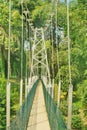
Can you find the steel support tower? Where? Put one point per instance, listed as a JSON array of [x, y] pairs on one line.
[[39, 65]]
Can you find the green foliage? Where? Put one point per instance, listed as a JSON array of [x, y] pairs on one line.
[[82, 94], [14, 101], [4, 14], [75, 109], [40, 16], [84, 101], [76, 122], [2, 104], [63, 107]]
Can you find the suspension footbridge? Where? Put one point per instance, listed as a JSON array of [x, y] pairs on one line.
[[38, 111]]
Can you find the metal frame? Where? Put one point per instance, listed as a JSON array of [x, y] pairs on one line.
[[39, 56]]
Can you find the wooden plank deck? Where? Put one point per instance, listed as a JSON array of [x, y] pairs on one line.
[[38, 119]]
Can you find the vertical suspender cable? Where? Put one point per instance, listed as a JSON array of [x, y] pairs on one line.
[[26, 57], [52, 58], [8, 81], [21, 81], [29, 54], [68, 33], [70, 85], [59, 82], [26, 62], [52, 47]]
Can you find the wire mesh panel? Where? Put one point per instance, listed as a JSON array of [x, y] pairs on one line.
[[54, 115], [21, 119]]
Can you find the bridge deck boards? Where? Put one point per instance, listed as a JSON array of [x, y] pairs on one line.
[[38, 119]]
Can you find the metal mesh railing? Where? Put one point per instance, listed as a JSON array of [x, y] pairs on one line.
[[21, 119], [54, 115]]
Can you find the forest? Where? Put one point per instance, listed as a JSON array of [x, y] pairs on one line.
[[38, 12]]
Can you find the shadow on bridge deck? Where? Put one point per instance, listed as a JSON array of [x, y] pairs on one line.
[[38, 119]]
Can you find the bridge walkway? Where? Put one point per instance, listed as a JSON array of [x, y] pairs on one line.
[[38, 119]]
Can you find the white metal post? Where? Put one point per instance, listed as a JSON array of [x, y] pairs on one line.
[[21, 89], [8, 107], [53, 88], [8, 82], [59, 90], [70, 106]]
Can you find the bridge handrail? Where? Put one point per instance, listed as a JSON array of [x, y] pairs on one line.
[[21, 119], [54, 114]]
